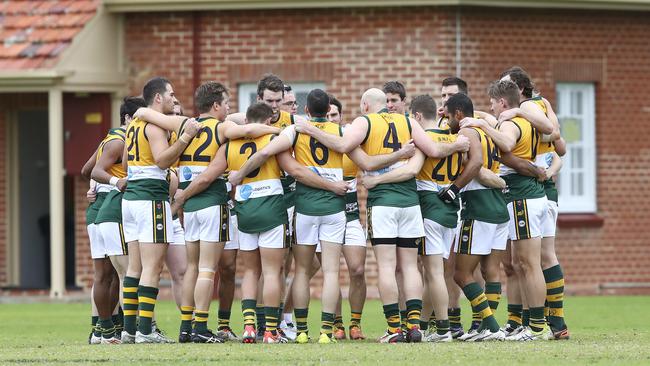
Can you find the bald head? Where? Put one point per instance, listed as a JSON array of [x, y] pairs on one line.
[[373, 100]]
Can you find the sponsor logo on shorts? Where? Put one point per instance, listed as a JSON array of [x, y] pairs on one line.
[[522, 223], [159, 226], [465, 238], [158, 217]]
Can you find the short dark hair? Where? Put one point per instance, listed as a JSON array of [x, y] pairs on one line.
[[318, 103], [129, 106], [258, 112], [505, 89], [336, 102], [271, 82], [424, 104], [157, 85], [520, 77], [462, 85], [395, 87], [207, 94], [460, 102]]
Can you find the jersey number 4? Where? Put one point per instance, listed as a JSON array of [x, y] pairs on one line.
[[390, 140]]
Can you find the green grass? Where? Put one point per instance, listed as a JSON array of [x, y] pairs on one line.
[[604, 330]]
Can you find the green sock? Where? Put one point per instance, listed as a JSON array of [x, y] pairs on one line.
[[432, 319], [248, 311], [187, 312], [555, 297], [130, 294], [327, 323], [259, 314], [223, 319], [537, 319], [442, 326], [108, 328], [271, 319], [525, 317], [480, 305], [454, 318], [301, 319], [413, 310], [424, 325], [514, 315], [493, 294], [146, 304], [96, 330], [392, 315], [201, 321]]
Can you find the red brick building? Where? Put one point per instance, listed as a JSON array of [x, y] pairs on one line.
[[589, 58]]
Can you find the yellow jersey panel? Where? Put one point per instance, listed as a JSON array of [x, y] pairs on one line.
[[285, 120], [238, 151], [114, 134], [311, 153], [350, 169], [490, 151], [442, 171], [203, 147], [386, 132]]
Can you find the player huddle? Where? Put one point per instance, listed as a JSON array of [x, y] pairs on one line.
[[453, 194]]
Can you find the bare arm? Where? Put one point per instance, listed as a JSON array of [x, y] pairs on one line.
[[375, 162], [472, 165], [401, 174], [560, 146], [531, 112], [434, 149], [276, 146], [232, 130], [556, 165], [169, 123], [113, 151], [86, 170], [487, 117], [554, 120], [307, 177], [522, 166], [165, 155], [505, 137], [238, 118], [489, 179], [352, 137]]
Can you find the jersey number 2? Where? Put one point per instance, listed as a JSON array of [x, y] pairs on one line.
[[253, 148]]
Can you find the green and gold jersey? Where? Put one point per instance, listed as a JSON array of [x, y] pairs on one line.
[[116, 170], [350, 171], [544, 154], [480, 202], [146, 181], [93, 207], [520, 186], [258, 199], [386, 134], [435, 175], [288, 182], [328, 164], [195, 159]]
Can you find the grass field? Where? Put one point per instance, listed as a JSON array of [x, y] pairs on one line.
[[604, 330]]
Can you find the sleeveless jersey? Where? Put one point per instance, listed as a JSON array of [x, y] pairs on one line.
[[195, 159], [288, 182], [544, 157], [116, 169], [386, 134], [350, 171], [146, 180], [519, 186], [324, 162], [435, 175], [258, 199], [480, 202]]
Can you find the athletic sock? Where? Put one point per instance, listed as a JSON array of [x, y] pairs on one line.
[[248, 311], [514, 315], [391, 312], [403, 318], [555, 297], [432, 319], [259, 314], [493, 294], [424, 325], [108, 328], [301, 320], [355, 319], [454, 318], [223, 319], [201, 321], [93, 322], [525, 317], [537, 319], [186, 318], [130, 294], [414, 310], [326, 323], [146, 304], [271, 319], [480, 305], [442, 326], [338, 322]]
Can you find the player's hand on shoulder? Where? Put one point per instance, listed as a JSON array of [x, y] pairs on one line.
[[192, 127], [303, 126], [462, 143], [472, 122], [509, 114], [441, 111]]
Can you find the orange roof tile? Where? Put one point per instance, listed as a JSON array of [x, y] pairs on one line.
[[34, 33]]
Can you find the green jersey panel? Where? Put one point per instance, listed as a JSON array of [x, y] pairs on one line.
[[215, 194], [402, 194], [487, 205], [256, 215], [317, 202], [93, 208], [111, 210], [551, 190], [522, 187], [147, 190]]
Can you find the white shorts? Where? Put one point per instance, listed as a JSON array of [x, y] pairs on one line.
[[92, 234], [550, 221], [437, 239], [276, 238], [312, 229], [233, 243], [526, 218], [395, 225], [141, 225], [480, 238], [208, 224], [354, 234], [179, 233], [109, 240]]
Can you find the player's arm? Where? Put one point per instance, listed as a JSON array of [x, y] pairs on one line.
[[215, 169], [554, 168], [471, 167], [87, 169], [169, 123], [505, 137], [238, 118], [307, 177], [353, 135], [163, 154], [113, 151], [232, 130], [375, 162], [435, 149], [401, 174], [487, 117], [560, 146], [125, 158], [278, 144], [554, 120], [522, 166], [489, 179], [532, 113]]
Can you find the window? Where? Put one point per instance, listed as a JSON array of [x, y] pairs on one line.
[[577, 179], [248, 94]]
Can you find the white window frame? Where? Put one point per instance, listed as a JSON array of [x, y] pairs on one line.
[[569, 201], [245, 90]]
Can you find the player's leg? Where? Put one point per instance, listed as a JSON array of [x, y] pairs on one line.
[[227, 268], [273, 245], [330, 264], [303, 254], [189, 283], [95, 332], [554, 276], [513, 293], [250, 258], [103, 277], [354, 252], [453, 312], [176, 260]]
